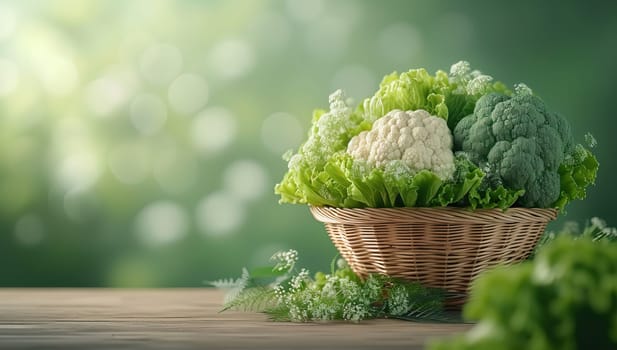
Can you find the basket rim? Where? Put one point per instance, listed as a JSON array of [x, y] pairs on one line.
[[435, 215]]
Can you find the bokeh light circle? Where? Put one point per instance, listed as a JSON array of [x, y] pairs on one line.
[[160, 63], [213, 129], [148, 113], [281, 132], [220, 214], [245, 179], [160, 223], [188, 93]]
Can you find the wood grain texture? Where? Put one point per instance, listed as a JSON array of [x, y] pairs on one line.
[[181, 319]]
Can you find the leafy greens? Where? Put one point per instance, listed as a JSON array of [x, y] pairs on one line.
[[322, 173]]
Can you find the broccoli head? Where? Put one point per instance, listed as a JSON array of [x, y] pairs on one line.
[[520, 142]]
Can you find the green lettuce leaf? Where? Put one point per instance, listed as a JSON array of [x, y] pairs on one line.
[[577, 172], [412, 90], [489, 197], [451, 97], [348, 183], [467, 177]]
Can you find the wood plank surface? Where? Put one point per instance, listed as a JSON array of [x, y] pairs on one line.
[[181, 319]]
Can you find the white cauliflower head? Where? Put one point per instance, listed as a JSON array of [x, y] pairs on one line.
[[418, 139]]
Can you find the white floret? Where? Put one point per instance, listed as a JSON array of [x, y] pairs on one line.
[[336, 121], [416, 138]]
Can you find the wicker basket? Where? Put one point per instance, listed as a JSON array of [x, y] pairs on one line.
[[440, 247]]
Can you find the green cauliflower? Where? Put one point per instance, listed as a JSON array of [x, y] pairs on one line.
[[519, 143]]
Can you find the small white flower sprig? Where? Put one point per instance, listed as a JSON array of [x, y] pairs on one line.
[[340, 295], [285, 260]]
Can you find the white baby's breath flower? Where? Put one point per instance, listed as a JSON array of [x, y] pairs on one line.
[[298, 281], [281, 295], [354, 312], [341, 263], [285, 261], [398, 300], [329, 289], [571, 227], [351, 290], [324, 312], [474, 74], [373, 288], [597, 222]]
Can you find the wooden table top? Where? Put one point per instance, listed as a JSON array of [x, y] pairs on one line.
[[181, 319]]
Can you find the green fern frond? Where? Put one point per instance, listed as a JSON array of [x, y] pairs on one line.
[[224, 283], [230, 283], [233, 287], [256, 299], [278, 313], [434, 317]]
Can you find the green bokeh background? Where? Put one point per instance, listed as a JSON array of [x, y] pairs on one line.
[[140, 140]]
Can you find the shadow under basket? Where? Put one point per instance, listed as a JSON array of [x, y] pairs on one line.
[[440, 247]]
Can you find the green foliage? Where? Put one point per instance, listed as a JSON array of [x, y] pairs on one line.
[[489, 197], [566, 298], [576, 173], [339, 295], [251, 299]]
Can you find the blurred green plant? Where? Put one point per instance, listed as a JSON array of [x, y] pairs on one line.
[[566, 298], [594, 229]]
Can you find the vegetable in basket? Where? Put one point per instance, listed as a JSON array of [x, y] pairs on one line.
[[414, 139], [395, 148], [520, 143]]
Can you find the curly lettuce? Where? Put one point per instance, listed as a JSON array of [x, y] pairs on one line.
[[576, 173], [449, 96], [347, 183]]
